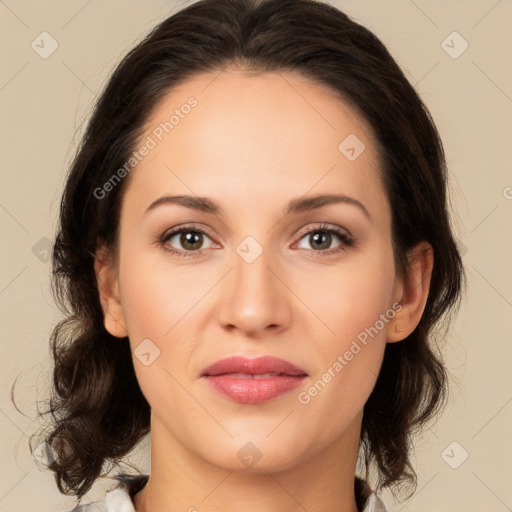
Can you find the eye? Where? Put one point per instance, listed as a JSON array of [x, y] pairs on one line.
[[190, 238], [321, 237]]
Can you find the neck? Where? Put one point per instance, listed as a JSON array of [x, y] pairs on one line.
[[182, 481]]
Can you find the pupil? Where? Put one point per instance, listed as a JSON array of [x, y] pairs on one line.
[[319, 235], [191, 239]]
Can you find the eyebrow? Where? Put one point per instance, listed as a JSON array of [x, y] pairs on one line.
[[301, 204]]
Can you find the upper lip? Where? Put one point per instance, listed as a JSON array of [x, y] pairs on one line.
[[259, 365]]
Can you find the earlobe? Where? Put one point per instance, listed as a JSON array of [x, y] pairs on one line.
[[108, 289], [412, 293]]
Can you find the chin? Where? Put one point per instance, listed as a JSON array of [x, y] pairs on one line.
[[254, 457]]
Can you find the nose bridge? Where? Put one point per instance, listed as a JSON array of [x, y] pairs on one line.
[[252, 263], [253, 298]]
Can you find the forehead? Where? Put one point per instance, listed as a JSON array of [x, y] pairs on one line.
[[259, 103], [255, 135]]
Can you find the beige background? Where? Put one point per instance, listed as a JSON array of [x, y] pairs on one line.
[[43, 104]]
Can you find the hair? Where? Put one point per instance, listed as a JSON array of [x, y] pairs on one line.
[[98, 413]]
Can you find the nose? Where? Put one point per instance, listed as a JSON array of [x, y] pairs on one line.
[[254, 296]]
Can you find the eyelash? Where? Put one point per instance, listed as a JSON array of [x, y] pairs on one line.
[[347, 241]]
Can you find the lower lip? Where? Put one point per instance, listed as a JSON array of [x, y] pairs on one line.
[[254, 391]]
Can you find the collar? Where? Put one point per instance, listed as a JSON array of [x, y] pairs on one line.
[[119, 497]]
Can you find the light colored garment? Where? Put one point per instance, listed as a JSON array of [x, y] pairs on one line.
[[118, 497]]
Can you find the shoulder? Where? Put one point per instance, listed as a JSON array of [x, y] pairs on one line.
[[374, 504], [93, 506], [367, 499], [118, 497]]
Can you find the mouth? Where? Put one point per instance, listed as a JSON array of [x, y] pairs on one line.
[[253, 381], [253, 389], [265, 366], [254, 375]]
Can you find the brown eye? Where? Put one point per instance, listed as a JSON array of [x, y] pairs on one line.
[[321, 239], [191, 240], [185, 240]]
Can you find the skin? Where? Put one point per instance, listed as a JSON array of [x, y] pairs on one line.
[[253, 143]]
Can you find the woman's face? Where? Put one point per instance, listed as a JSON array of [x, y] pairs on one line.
[[264, 279]]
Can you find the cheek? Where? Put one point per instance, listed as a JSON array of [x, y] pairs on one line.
[[351, 336], [155, 295], [155, 305], [350, 297], [337, 301], [160, 302]]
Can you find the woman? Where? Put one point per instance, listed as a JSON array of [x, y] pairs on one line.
[[254, 249]]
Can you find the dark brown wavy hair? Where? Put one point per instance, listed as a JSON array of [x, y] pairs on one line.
[[98, 413]]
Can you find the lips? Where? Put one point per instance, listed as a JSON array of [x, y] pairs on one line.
[[244, 368], [253, 381]]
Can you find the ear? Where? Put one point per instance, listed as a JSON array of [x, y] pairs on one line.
[[108, 288], [412, 292]]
